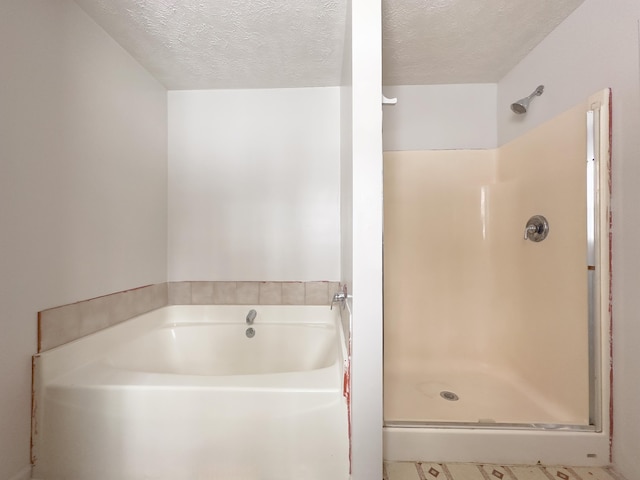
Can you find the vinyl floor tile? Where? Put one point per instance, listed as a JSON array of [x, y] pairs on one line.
[[594, 473], [470, 471], [465, 470], [431, 471], [402, 471], [528, 473]]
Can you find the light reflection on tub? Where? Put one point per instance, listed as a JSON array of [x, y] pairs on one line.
[[225, 349]]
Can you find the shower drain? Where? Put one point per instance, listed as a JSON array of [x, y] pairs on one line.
[[452, 397]]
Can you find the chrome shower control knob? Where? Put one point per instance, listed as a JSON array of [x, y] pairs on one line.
[[536, 229]]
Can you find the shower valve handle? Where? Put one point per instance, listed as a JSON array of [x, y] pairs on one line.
[[537, 229], [531, 229]]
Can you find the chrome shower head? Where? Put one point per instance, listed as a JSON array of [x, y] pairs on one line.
[[522, 105]]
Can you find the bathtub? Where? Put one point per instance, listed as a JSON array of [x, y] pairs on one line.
[[185, 392]]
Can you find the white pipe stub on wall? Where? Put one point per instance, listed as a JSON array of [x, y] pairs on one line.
[[389, 101]]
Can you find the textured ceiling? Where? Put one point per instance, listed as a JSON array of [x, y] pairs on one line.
[[463, 41], [198, 44], [202, 44]]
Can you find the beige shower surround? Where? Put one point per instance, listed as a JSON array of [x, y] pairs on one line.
[[465, 292]]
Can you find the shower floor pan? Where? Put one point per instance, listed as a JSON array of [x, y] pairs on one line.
[[469, 395], [497, 418]]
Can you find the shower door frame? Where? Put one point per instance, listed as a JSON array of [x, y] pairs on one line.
[[599, 259], [598, 266]]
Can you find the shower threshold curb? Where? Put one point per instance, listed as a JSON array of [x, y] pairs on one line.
[[495, 426]]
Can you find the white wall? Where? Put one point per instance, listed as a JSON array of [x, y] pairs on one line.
[[82, 185], [346, 168], [254, 184], [597, 47], [441, 117], [366, 342]]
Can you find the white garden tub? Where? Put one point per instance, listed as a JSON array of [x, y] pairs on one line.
[[183, 393]]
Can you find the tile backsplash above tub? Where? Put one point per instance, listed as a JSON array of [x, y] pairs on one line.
[[251, 293], [59, 325]]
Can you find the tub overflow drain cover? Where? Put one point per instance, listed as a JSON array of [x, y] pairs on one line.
[[449, 396]]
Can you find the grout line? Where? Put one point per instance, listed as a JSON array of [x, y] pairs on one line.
[[446, 471], [420, 471], [484, 473], [546, 472], [512, 475], [573, 472]]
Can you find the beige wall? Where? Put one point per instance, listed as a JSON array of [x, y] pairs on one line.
[[461, 284], [543, 286], [83, 177], [437, 281]]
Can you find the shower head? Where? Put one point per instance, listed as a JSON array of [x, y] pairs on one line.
[[522, 105]]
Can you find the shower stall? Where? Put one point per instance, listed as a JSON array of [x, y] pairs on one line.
[[496, 297]]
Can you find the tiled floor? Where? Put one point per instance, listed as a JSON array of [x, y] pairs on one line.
[[469, 471]]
